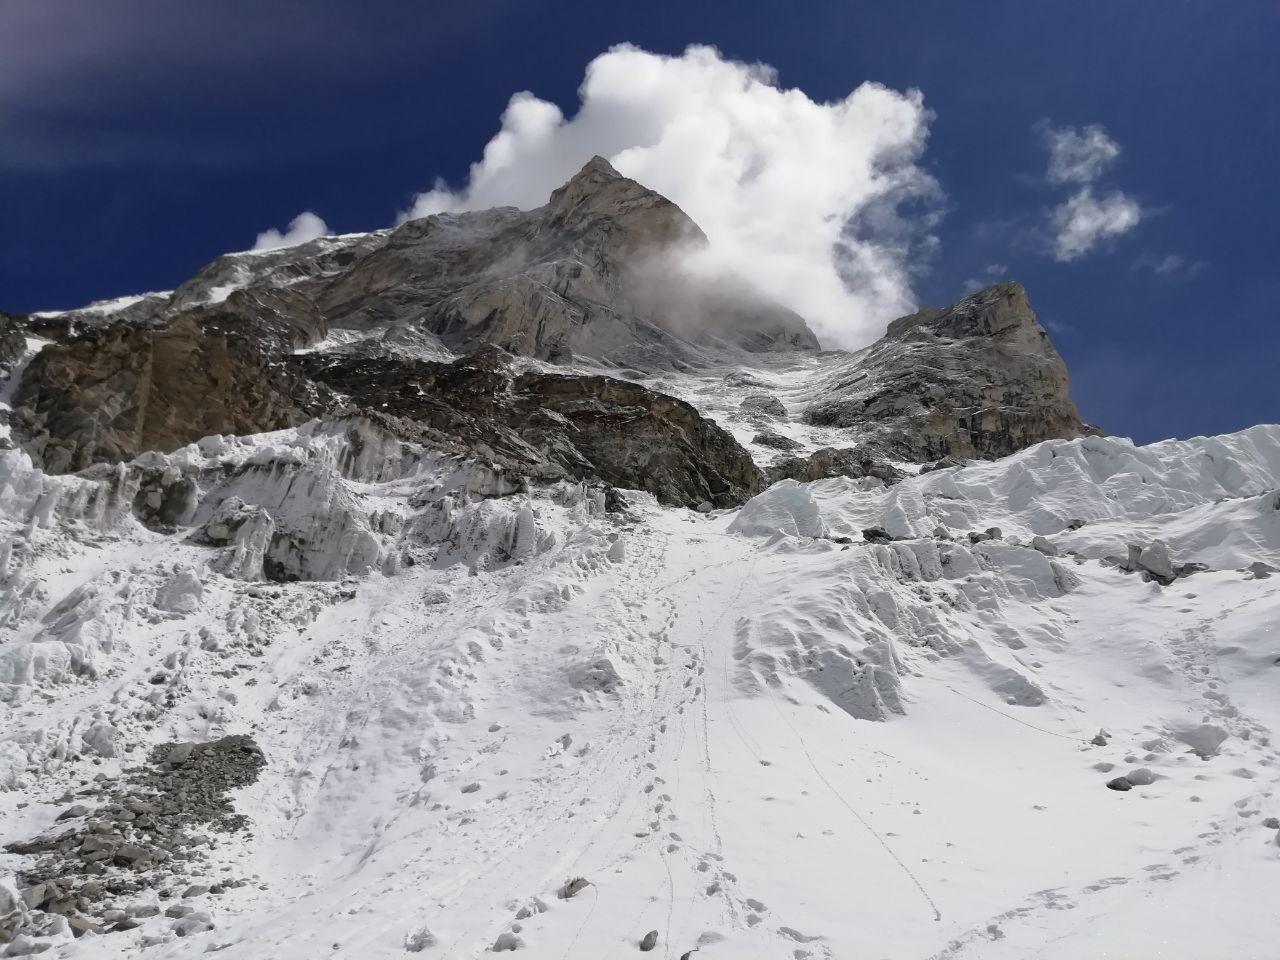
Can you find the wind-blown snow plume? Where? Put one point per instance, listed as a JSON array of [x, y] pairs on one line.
[[800, 196], [302, 228], [1085, 219]]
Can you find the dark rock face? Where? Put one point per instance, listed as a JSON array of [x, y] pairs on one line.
[[829, 462], [108, 395], [13, 344], [548, 426], [978, 379]]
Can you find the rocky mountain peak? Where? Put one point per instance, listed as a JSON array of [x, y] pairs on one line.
[[643, 218], [1001, 311]]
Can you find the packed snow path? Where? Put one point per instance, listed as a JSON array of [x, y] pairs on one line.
[[747, 743]]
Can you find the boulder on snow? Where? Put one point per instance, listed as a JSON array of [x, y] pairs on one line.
[[1119, 783], [573, 887], [1141, 777], [1154, 559], [1259, 570], [649, 941], [763, 404], [1044, 545], [1204, 739], [775, 441]]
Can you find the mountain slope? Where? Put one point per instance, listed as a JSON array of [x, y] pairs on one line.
[[335, 620], [754, 731]]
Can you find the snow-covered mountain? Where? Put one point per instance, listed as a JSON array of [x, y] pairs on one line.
[[338, 620]]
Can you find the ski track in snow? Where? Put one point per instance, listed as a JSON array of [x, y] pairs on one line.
[[757, 745]]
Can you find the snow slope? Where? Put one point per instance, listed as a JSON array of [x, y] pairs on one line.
[[752, 733]]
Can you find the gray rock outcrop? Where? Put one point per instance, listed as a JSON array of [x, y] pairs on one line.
[[978, 379]]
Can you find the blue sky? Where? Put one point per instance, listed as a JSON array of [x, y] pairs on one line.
[[140, 140]]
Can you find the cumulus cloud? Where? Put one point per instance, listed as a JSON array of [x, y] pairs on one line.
[[822, 205], [1080, 156], [302, 228], [1085, 220]]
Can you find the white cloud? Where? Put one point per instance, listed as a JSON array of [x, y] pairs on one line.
[[1078, 155], [1085, 220], [1172, 266], [801, 197], [305, 226]]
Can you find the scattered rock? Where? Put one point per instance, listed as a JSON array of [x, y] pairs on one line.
[[1141, 777], [775, 441], [1044, 545], [1259, 570], [416, 941], [507, 941], [193, 923], [649, 941], [573, 887], [877, 535], [1119, 783], [1155, 560]]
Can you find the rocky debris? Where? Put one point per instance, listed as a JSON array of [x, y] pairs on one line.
[[1153, 562], [139, 837], [1271, 823], [546, 427], [877, 535], [946, 463], [775, 441], [1260, 571], [764, 405], [166, 497], [1100, 739], [978, 379], [855, 462], [991, 533], [415, 941], [649, 941], [507, 941], [1119, 783]]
